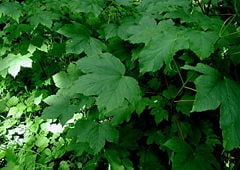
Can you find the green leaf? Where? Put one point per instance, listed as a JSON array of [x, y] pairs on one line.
[[110, 30], [166, 39], [64, 165], [143, 31], [42, 142], [12, 101], [91, 6], [13, 63], [162, 48], [80, 40], [185, 158], [60, 107], [43, 17], [105, 78], [214, 91], [95, 134], [65, 80], [120, 114], [11, 9], [118, 158], [150, 160], [202, 43], [184, 105], [157, 104]]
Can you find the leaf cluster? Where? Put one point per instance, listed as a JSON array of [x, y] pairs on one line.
[[119, 84]]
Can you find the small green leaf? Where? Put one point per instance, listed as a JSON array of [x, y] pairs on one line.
[[13, 63], [12, 101], [42, 142]]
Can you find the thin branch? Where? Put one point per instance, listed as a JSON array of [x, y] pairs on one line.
[[177, 101], [208, 7], [201, 5], [179, 129]]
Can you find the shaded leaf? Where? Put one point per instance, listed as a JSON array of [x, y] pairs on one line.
[[80, 40], [94, 134], [185, 158], [214, 91], [60, 107]]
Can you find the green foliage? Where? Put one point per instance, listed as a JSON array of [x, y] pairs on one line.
[[119, 84], [105, 79]]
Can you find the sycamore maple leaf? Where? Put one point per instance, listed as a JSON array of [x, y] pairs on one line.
[[165, 40], [11, 9], [94, 134], [105, 78], [43, 17], [185, 157], [13, 63], [214, 91], [80, 40], [91, 6]]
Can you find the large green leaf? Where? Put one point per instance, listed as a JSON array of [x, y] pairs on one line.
[[13, 63], [214, 91], [93, 133], [166, 39], [105, 78], [162, 48], [80, 40]]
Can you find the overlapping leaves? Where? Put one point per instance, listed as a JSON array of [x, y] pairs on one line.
[[80, 40], [166, 39], [94, 134]]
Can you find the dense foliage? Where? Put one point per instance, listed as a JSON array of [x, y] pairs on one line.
[[119, 84]]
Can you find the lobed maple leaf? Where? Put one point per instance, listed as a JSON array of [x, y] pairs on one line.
[[105, 78], [13, 63], [94, 134], [214, 91], [80, 40]]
